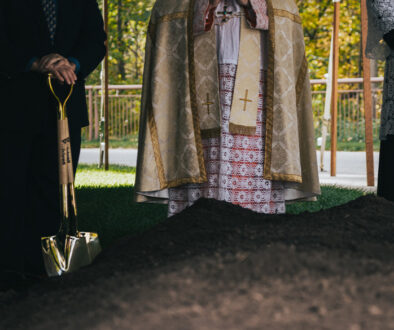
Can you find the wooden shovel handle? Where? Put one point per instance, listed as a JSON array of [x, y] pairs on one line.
[[66, 172]]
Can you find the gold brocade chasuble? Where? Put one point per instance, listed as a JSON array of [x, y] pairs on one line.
[[246, 93], [180, 101]]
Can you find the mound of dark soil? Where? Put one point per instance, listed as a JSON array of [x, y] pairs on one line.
[[217, 266]]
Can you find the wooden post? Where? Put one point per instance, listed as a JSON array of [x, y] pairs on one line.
[[90, 114], [334, 95], [96, 117], [106, 114], [367, 97]]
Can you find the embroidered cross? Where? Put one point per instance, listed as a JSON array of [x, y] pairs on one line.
[[208, 103], [225, 12], [246, 100]]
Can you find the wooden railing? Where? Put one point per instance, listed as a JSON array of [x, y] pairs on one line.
[[124, 109], [125, 103], [351, 123]]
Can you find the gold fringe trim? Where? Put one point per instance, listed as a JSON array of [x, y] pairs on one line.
[[287, 177], [165, 19], [210, 133], [180, 182], [156, 148], [287, 14], [171, 17], [269, 101], [193, 92], [244, 130]]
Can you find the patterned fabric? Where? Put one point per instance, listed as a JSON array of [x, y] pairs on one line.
[[387, 117], [207, 87], [234, 163], [384, 10], [260, 8], [376, 48], [49, 7]]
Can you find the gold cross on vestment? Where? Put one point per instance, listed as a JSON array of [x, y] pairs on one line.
[[208, 104], [225, 12], [246, 99]]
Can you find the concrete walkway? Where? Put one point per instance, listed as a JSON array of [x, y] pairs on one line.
[[351, 170], [126, 157], [351, 166]]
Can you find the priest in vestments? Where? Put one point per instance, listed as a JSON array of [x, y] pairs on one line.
[[226, 108]]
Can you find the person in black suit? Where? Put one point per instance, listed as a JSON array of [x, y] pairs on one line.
[[65, 38]]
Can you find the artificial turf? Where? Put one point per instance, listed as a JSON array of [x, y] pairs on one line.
[[106, 205]]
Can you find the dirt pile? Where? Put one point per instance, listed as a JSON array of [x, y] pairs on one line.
[[217, 266]]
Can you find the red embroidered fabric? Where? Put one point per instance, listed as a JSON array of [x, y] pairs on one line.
[[261, 13], [234, 163], [256, 15]]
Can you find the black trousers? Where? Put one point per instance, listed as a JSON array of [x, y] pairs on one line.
[[29, 188], [386, 169]]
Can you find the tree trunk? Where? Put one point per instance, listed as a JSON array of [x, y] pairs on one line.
[[121, 62], [137, 71]]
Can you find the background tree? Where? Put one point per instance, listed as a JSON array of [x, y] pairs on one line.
[[128, 23]]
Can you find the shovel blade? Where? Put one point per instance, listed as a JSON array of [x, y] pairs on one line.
[[78, 251], [60, 260], [93, 244]]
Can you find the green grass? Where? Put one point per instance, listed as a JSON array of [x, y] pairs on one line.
[[331, 196], [106, 206]]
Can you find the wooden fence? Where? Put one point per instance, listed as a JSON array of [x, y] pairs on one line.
[[125, 103], [124, 111], [351, 122]]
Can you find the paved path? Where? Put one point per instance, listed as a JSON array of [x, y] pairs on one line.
[[116, 156], [351, 170], [351, 166]]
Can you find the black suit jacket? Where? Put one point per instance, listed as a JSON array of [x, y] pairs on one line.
[[24, 34]]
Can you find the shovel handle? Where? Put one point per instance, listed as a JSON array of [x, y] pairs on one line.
[[62, 105]]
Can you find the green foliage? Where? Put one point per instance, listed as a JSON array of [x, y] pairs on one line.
[[128, 23], [106, 206], [317, 16], [330, 197]]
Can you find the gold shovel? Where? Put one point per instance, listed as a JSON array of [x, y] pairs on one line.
[[69, 249]]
